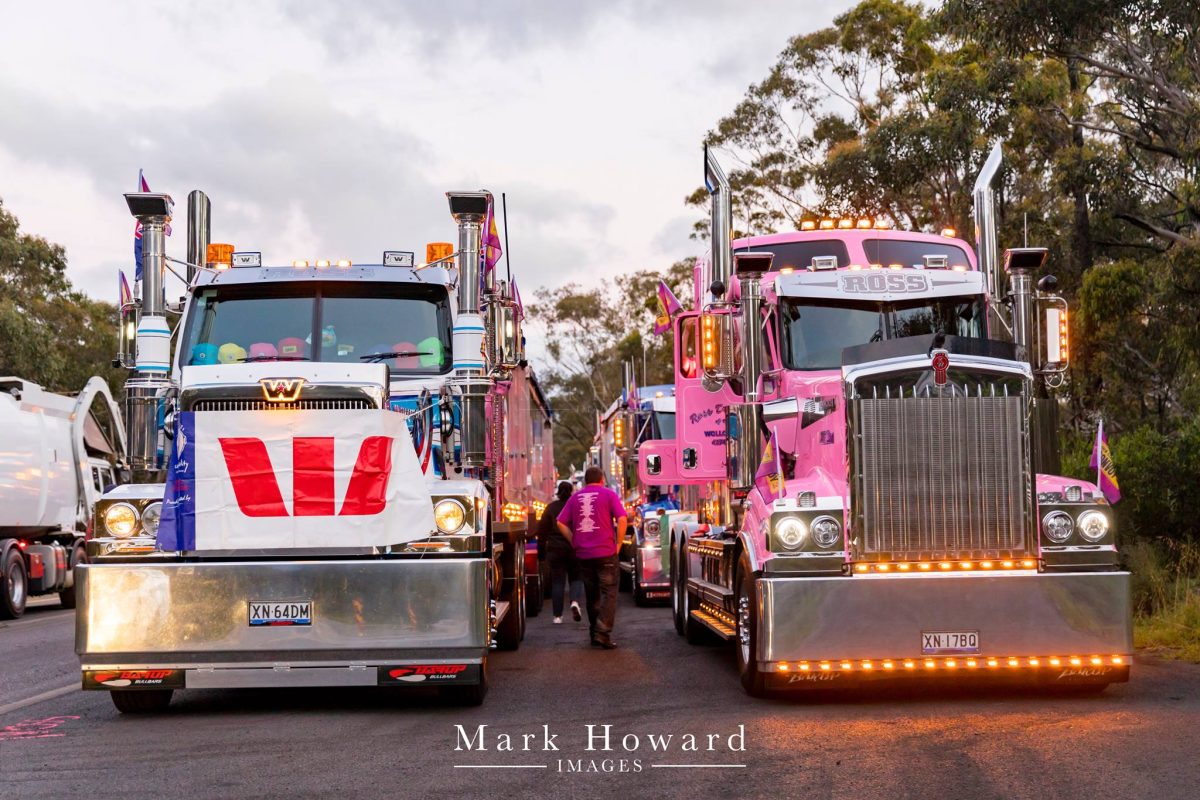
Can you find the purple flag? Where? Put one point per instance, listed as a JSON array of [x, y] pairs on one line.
[[137, 232], [1106, 471], [769, 478], [491, 240], [668, 307]]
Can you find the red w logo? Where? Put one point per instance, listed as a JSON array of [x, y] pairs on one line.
[[257, 489]]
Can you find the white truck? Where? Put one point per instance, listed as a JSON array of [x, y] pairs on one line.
[[57, 455], [322, 451]]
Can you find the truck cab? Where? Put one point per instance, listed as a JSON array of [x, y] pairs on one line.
[[885, 428]]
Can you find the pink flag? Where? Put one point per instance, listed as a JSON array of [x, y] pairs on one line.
[[491, 240], [769, 478], [668, 307], [123, 289], [1106, 471]]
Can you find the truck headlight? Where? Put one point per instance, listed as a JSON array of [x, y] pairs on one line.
[[121, 520], [449, 515], [1093, 525], [790, 532], [150, 517], [1058, 526], [652, 528], [826, 531]]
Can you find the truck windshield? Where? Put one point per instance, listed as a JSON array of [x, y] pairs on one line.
[[664, 422], [404, 326], [813, 335]]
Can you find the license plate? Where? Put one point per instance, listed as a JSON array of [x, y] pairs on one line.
[[275, 613], [935, 642]]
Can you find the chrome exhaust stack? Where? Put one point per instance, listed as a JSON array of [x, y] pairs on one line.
[[986, 247], [720, 225], [199, 232], [144, 390], [469, 210]]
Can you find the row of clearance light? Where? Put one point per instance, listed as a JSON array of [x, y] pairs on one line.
[[911, 664], [945, 566], [538, 509], [513, 512], [861, 223]]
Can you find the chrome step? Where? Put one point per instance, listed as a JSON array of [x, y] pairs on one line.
[[717, 626]]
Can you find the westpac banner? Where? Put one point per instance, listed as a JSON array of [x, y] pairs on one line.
[[294, 479]]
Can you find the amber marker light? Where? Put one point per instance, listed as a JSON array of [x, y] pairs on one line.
[[804, 666], [808, 225], [826, 666], [951, 663], [895, 266], [860, 567], [882, 567], [877, 266], [1033, 662], [1028, 564], [344, 263], [949, 233], [1076, 661], [1007, 564], [888, 665], [845, 223], [945, 565], [826, 224], [991, 662], [966, 565], [1097, 661], [864, 222], [846, 665], [910, 665], [1118, 660], [787, 270], [924, 566], [904, 567], [930, 664], [972, 663], [985, 564], [782, 667], [1012, 662], [868, 665], [1055, 662]]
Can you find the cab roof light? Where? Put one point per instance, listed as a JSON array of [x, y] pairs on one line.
[[300, 264], [826, 224], [864, 222], [845, 223], [323, 263], [219, 256], [882, 224], [808, 224], [343, 263], [949, 233]]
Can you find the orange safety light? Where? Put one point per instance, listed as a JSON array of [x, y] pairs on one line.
[[219, 256], [882, 224], [826, 224], [845, 222], [864, 222], [808, 225], [949, 233], [709, 344], [436, 251]]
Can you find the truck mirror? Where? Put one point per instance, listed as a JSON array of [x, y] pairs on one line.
[[1054, 335]]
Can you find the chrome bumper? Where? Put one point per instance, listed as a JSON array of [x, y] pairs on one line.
[[370, 619], [1030, 625], [652, 572]]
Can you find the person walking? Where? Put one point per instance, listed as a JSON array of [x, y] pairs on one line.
[[564, 566], [594, 521]]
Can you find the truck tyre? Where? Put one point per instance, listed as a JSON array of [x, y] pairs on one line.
[[746, 640], [511, 630], [467, 695], [78, 556], [14, 584], [141, 701], [678, 592]]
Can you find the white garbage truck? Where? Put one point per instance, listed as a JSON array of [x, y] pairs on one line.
[[57, 455]]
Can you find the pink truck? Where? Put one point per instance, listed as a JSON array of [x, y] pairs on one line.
[[906, 521]]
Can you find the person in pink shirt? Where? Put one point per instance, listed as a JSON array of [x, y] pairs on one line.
[[593, 521]]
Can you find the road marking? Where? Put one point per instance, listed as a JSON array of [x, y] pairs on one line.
[[699, 766], [499, 766], [38, 698]]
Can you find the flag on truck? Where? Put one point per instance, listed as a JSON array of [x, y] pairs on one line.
[[668, 307], [123, 289], [491, 240], [1106, 471], [137, 232], [769, 478]]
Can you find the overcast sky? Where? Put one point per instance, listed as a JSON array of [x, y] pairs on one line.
[[324, 129]]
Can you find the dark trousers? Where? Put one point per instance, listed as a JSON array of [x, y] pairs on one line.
[[564, 567], [600, 579]]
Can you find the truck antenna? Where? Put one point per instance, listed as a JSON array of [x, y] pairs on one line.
[[504, 213]]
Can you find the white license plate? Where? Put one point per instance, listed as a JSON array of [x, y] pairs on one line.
[[280, 613], [935, 642]]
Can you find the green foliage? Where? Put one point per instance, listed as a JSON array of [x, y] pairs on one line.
[[589, 334], [49, 333]]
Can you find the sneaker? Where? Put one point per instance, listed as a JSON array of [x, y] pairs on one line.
[[558, 620], [575, 612]]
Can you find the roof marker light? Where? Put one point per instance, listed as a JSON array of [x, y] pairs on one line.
[[300, 264], [845, 223], [826, 224], [949, 233], [323, 263], [808, 225], [343, 263]]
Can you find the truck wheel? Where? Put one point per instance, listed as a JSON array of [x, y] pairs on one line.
[[78, 556], [512, 628], [14, 584], [753, 679], [535, 597], [141, 701], [467, 695], [678, 592]]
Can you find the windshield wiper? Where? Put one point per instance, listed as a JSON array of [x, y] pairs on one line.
[[249, 359], [394, 354]]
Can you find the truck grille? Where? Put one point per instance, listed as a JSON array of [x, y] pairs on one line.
[[941, 476], [342, 404]]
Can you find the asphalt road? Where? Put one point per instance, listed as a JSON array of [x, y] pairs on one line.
[[1136, 740]]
